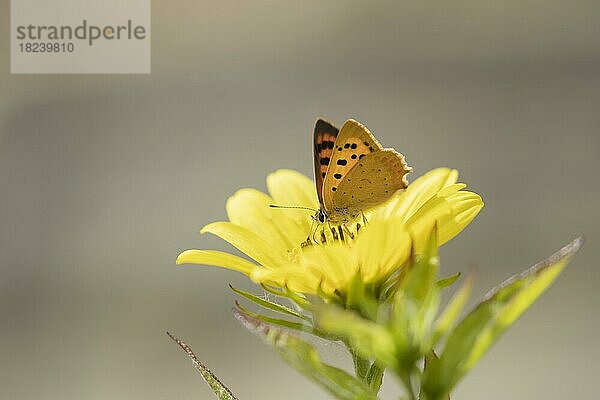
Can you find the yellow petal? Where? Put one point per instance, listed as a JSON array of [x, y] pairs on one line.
[[451, 214], [420, 191], [332, 264], [381, 248], [291, 188], [290, 277], [248, 243], [465, 206], [451, 189], [250, 209], [218, 259], [326, 268]]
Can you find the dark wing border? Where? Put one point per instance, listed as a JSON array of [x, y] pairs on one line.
[[323, 144]]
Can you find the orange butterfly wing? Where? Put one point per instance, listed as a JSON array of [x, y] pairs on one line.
[[373, 180], [323, 140], [352, 144]]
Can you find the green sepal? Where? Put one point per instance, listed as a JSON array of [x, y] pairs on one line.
[[482, 327], [375, 376], [219, 389], [360, 297], [331, 298], [446, 320], [415, 306], [300, 300], [394, 282], [367, 338], [273, 290], [297, 326], [305, 358], [419, 280], [361, 364], [269, 304], [448, 281]]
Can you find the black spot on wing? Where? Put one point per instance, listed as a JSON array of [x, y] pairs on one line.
[[324, 161], [341, 162], [337, 176]]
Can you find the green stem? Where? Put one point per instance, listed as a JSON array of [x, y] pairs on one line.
[[407, 381]]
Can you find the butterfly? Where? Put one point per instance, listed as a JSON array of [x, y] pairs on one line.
[[353, 172]]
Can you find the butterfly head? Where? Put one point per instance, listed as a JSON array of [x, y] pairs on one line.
[[320, 215]]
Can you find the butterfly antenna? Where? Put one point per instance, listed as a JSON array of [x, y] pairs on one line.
[[296, 207]]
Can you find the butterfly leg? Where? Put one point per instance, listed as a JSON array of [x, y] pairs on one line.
[[314, 235], [308, 241], [364, 218], [334, 232], [348, 231], [341, 233], [323, 236]]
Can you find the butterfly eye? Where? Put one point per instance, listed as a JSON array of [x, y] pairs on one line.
[[321, 216]]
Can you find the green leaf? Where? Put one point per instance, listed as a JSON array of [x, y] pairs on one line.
[[489, 320], [305, 358], [269, 304], [297, 326], [452, 310], [448, 281], [219, 389]]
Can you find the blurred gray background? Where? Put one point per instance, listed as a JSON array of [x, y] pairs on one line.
[[106, 178]]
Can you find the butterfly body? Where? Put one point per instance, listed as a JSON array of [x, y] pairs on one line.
[[353, 172]]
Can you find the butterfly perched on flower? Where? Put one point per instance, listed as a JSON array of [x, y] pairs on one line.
[[353, 172]]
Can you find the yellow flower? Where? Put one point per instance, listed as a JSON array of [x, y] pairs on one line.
[[272, 238]]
